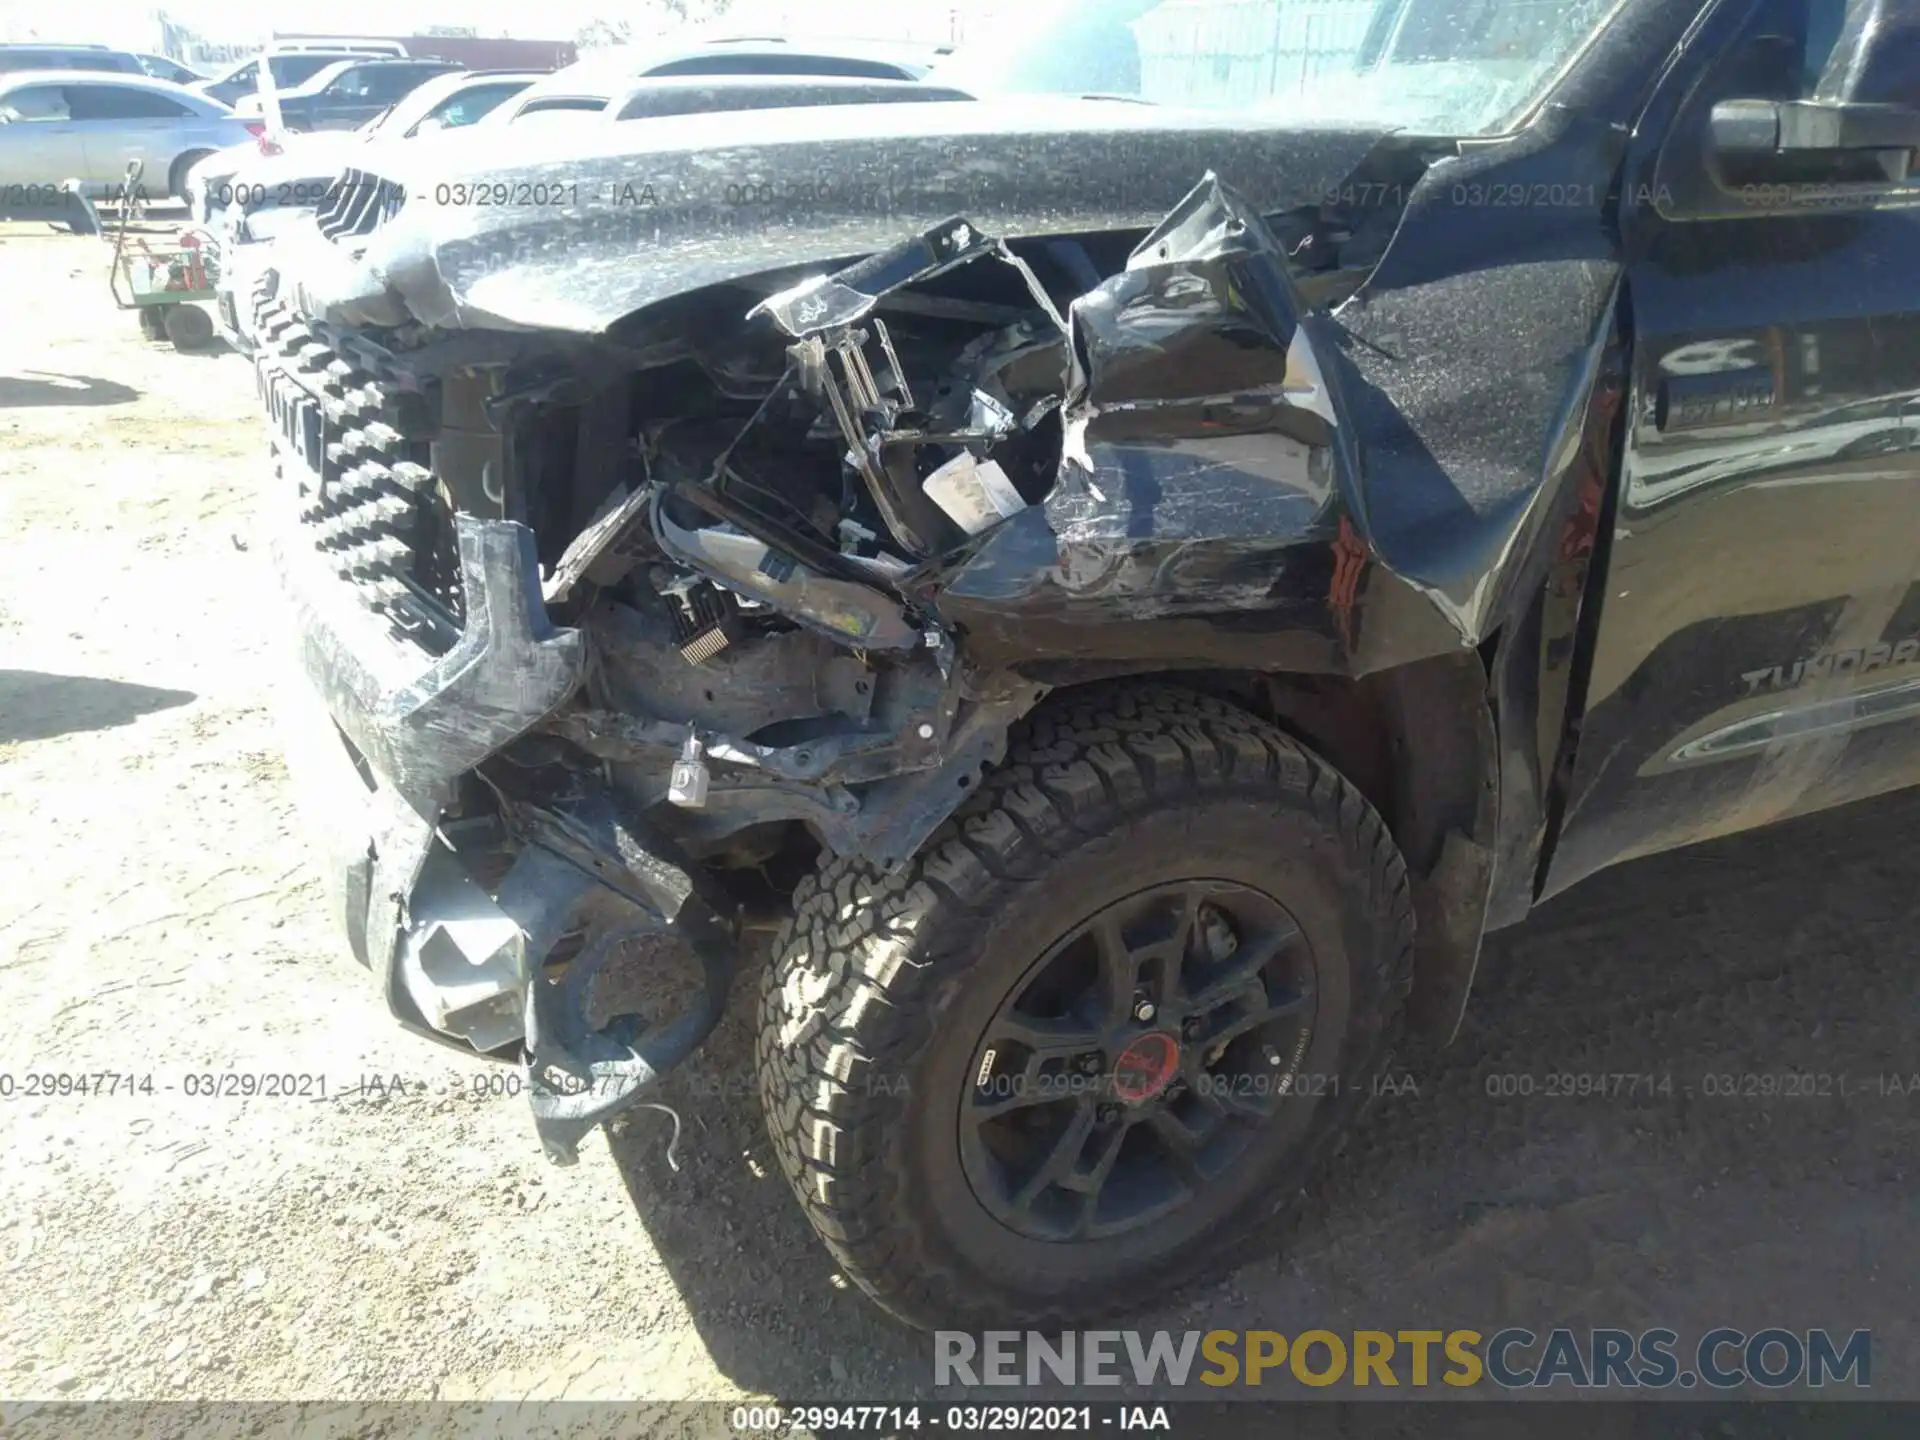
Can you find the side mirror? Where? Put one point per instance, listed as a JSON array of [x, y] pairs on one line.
[[1859, 125]]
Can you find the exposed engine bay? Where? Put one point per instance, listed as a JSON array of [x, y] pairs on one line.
[[754, 587], [760, 582]]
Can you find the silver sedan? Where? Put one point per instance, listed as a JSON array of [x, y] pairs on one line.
[[57, 125]]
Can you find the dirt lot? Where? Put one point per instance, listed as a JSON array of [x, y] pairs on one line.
[[157, 919]]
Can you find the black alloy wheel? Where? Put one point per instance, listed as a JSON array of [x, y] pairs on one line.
[[1135, 1062]]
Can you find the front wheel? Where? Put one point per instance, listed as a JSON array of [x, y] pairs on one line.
[[1066, 1059]]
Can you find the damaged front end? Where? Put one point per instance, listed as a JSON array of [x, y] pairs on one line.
[[616, 633]]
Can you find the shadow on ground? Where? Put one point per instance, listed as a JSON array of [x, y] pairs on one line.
[[212, 350], [783, 1322], [37, 706], [1695, 1187], [26, 389]]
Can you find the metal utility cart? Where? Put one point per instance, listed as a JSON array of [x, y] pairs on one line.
[[160, 282]]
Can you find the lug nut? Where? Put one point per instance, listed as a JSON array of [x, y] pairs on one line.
[[1089, 1064], [1190, 1027], [1144, 1010]]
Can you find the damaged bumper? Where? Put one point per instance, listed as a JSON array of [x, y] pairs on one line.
[[380, 729], [380, 744]]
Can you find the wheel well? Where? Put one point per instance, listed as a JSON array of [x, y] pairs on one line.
[[1405, 738], [177, 175], [1419, 743]]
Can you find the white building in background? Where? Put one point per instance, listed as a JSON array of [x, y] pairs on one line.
[[1228, 52]]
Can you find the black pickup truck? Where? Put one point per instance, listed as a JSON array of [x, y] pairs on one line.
[[1129, 576]]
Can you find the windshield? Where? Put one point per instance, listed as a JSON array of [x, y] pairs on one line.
[[1439, 67]]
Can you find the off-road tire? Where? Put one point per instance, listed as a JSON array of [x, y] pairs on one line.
[[875, 973]]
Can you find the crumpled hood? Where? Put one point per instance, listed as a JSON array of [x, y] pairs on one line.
[[574, 227]]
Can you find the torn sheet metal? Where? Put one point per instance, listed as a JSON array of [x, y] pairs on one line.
[[823, 303], [1249, 481], [846, 297], [1206, 477]]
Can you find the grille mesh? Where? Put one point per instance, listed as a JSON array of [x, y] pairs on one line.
[[365, 497]]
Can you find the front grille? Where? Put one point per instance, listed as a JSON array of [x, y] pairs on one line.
[[363, 489], [357, 204]]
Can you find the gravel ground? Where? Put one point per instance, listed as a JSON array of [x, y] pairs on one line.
[[407, 1242]]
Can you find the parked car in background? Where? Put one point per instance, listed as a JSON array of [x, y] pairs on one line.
[[659, 99], [349, 93], [290, 69], [69, 57], [162, 67], [258, 176], [590, 83], [60, 124], [476, 52], [448, 102]]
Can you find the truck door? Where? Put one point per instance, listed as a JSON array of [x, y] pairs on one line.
[[1758, 649]]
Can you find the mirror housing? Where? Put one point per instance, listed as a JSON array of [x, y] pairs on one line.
[[1859, 119], [1876, 60]]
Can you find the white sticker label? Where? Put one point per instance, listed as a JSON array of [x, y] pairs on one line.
[[976, 493], [986, 1069]]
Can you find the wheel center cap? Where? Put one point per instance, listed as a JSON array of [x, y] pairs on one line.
[[1145, 1067]]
